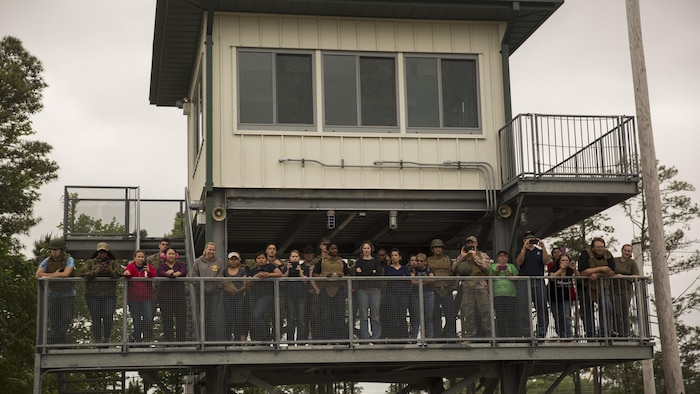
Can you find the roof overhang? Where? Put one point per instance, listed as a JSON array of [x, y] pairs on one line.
[[178, 26]]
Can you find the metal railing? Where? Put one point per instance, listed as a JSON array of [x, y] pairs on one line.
[[536, 146], [118, 212], [412, 311]]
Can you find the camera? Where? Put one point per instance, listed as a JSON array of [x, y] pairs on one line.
[[534, 241], [468, 248]]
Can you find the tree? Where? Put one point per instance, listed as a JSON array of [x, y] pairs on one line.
[[678, 212], [24, 166], [577, 237]]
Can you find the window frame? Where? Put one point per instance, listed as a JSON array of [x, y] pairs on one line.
[[442, 129], [275, 125], [359, 127]]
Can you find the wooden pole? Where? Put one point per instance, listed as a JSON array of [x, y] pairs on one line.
[[673, 375], [647, 365]]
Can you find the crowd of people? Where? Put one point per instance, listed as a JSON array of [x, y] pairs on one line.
[[422, 297]]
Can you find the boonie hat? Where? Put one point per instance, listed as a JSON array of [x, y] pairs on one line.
[[103, 246], [472, 238]]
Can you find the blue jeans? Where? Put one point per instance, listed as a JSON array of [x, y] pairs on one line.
[[538, 292], [604, 312], [260, 326], [142, 315], [369, 301], [561, 310], [428, 304], [102, 316], [60, 317]]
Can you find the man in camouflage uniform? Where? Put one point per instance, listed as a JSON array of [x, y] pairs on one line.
[[475, 305], [445, 304]]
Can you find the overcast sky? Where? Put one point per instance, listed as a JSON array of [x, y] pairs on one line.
[[97, 59]]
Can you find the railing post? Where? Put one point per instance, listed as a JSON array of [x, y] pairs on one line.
[[351, 315]]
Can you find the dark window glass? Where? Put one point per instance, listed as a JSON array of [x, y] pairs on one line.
[[422, 92], [340, 90], [294, 89], [459, 96], [378, 91], [255, 87]]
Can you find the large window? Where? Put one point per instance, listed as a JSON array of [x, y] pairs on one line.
[[441, 93], [359, 90], [275, 88]]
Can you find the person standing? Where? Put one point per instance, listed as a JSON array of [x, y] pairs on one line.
[[333, 293], [209, 266], [445, 303], [561, 294], [368, 292], [262, 297], [596, 263], [505, 294], [156, 258], [101, 296], [475, 305], [140, 296], [171, 296], [397, 296], [422, 269], [294, 297], [314, 315], [61, 300], [531, 261], [234, 299], [623, 290]]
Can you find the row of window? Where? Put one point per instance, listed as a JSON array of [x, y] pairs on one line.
[[277, 88]]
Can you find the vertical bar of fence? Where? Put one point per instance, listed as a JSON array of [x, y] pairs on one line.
[[350, 314], [421, 312], [125, 316], [277, 325], [492, 311]]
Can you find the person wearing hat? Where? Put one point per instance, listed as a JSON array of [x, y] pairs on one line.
[[234, 299], [532, 261], [101, 295], [445, 304], [475, 304], [61, 299], [505, 294]]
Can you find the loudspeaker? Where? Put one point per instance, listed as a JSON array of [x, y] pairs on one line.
[[219, 214], [504, 211]]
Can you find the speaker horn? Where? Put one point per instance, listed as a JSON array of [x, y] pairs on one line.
[[219, 214], [505, 211]]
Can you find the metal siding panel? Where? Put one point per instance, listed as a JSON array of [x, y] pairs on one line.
[[270, 32], [367, 35], [348, 35], [329, 34], [291, 176], [461, 38], [386, 36], [442, 39], [249, 31], [250, 158], [290, 32], [423, 36], [309, 33], [230, 26], [404, 35], [312, 148]]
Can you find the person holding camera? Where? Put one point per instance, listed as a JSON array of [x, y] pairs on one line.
[[475, 305], [531, 261], [101, 296], [505, 296], [562, 293]]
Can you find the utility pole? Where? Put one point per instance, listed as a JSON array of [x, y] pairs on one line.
[[647, 365], [671, 362]]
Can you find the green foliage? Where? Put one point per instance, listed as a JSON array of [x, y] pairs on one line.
[[17, 324], [578, 237], [24, 166], [677, 210], [179, 224]]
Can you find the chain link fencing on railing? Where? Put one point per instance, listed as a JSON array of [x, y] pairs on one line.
[[411, 311]]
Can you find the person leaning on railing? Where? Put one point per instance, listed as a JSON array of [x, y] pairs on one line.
[[596, 263], [505, 293], [61, 297], [562, 293], [333, 293], [171, 296]]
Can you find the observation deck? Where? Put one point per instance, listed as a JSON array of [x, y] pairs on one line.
[[221, 362]]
